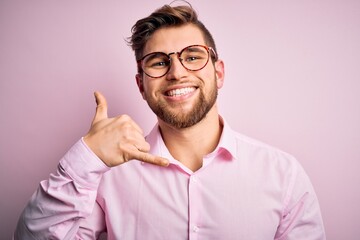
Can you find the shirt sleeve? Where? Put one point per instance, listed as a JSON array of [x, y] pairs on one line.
[[92, 226], [57, 208], [301, 217]]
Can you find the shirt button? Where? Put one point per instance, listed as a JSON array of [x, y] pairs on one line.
[[193, 179], [195, 229]]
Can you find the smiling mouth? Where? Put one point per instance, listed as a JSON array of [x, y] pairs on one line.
[[180, 91]]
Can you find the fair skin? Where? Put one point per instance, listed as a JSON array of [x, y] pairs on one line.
[[118, 140]]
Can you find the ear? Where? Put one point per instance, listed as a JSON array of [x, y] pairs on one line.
[[220, 73], [140, 84]]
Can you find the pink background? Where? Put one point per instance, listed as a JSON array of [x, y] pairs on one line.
[[292, 80]]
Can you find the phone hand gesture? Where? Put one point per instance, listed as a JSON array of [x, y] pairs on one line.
[[118, 140]]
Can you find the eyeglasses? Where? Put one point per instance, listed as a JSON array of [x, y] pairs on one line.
[[193, 58]]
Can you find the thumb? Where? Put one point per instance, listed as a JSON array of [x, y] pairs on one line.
[[101, 108]]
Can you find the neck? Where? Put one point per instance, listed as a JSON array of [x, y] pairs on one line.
[[190, 145]]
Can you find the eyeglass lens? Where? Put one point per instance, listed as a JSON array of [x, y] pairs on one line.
[[193, 58]]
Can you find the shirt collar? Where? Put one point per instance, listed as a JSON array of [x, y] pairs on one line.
[[227, 142]]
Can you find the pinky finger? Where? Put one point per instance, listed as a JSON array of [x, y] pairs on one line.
[[149, 158]]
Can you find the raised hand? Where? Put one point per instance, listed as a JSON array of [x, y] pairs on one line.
[[118, 140]]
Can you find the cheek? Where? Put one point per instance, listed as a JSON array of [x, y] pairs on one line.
[[151, 89], [212, 81]]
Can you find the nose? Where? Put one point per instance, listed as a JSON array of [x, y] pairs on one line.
[[177, 70]]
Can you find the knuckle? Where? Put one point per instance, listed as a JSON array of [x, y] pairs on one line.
[[127, 125], [123, 122], [125, 117], [146, 146], [121, 148], [124, 156]]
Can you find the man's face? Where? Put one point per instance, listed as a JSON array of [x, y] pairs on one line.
[[180, 98]]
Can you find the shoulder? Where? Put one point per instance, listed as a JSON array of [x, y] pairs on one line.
[[253, 152]]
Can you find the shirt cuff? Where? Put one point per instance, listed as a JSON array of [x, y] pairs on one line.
[[83, 166]]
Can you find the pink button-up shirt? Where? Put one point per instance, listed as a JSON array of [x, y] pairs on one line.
[[244, 190]]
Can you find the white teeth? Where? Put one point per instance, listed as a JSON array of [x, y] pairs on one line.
[[180, 91]]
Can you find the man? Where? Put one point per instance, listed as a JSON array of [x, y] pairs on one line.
[[198, 180]]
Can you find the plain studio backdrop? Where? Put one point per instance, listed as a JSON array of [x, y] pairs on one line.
[[292, 81]]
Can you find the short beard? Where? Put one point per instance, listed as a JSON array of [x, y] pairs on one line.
[[180, 120]]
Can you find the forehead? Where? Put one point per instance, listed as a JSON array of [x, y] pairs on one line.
[[174, 38]]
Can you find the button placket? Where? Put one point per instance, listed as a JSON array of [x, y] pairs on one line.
[[194, 207]]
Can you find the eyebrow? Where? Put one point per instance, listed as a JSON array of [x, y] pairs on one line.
[[190, 48], [195, 49], [153, 55]]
